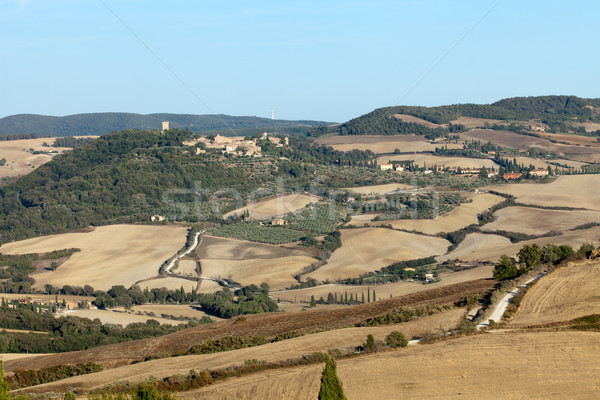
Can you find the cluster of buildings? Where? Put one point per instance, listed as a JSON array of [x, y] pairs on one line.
[[236, 145], [466, 171]]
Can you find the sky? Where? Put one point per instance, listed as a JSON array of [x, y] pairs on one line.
[[318, 60]]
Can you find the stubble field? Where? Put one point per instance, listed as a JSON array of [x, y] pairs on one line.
[[110, 255]]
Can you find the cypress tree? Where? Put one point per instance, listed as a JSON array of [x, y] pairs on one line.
[[362, 298], [331, 385], [374, 298], [368, 294]]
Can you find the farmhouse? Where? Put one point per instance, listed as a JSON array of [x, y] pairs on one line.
[[491, 174], [386, 167], [278, 221], [399, 168], [539, 172], [158, 218], [512, 175]]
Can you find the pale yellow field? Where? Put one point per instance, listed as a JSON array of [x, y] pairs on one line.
[[542, 365], [471, 123], [110, 255], [282, 350], [275, 207], [170, 283], [20, 161], [430, 160], [543, 164], [369, 249], [249, 262], [382, 291], [118, 318], [382, 144], [18, 356], [486, 247], [208, 286], [567, 293], [578, 191], [278, 273], [535, 221], [186, 267], [379, 189], [176, 310], [461, 216], [416, 120]]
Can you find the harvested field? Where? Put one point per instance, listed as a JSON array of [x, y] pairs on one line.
[[383, 291], [276, 207], [236, 249], [17, 356], [577, 191], [430, 160], [117, 317], [487, 247], [524, 142], [471, 123], [272, 352], [379, 189], [542, 365], [186, 267], [20, 160], [535, 221], [572, 139], [543, 164], [369, 249], [249, 262], [382, 144], [278, 273], [416, 120], [208, 286], [567, 293], [170, 283], [175, 310], [110, 255], [460, 217], [268, 325]]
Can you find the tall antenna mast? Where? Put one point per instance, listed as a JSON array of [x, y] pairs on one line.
[[272, 113]]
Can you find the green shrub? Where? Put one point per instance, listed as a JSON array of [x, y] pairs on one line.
[[396, 339]]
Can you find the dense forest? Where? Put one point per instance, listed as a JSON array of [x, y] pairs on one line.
[[101, 123], [553, 110]]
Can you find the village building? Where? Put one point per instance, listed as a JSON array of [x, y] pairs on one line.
[[278, 221], [491, 174], [539, 172], [512, 175], [470, 171], [386, 167], [399, 168]]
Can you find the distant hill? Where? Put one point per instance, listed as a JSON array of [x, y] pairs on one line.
[[101, 123], [558, 112]]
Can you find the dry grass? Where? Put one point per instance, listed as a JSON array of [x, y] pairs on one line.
[[471, 123], [117, 317], [540, 365], [415, 120], [486, 247], [175, 310], [431, 160], [110, 255], [18, 356], [249, 262], [461, 216], [275, 207], [278, 273], [567, 293], [283, 350], [578, 191], [170, 283], [383, 291], [267, 325], [368, 249], [379, 189], [524, 142], [534, 221], [186, 267], [573, 139], [20, 161], [382, 144]]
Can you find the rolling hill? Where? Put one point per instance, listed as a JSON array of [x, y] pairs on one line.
[[101, 123]]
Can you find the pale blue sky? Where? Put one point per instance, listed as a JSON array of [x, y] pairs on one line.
[[307, 59]]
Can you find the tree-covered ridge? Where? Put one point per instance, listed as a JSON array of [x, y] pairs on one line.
[[550, 109], [102, 123]]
